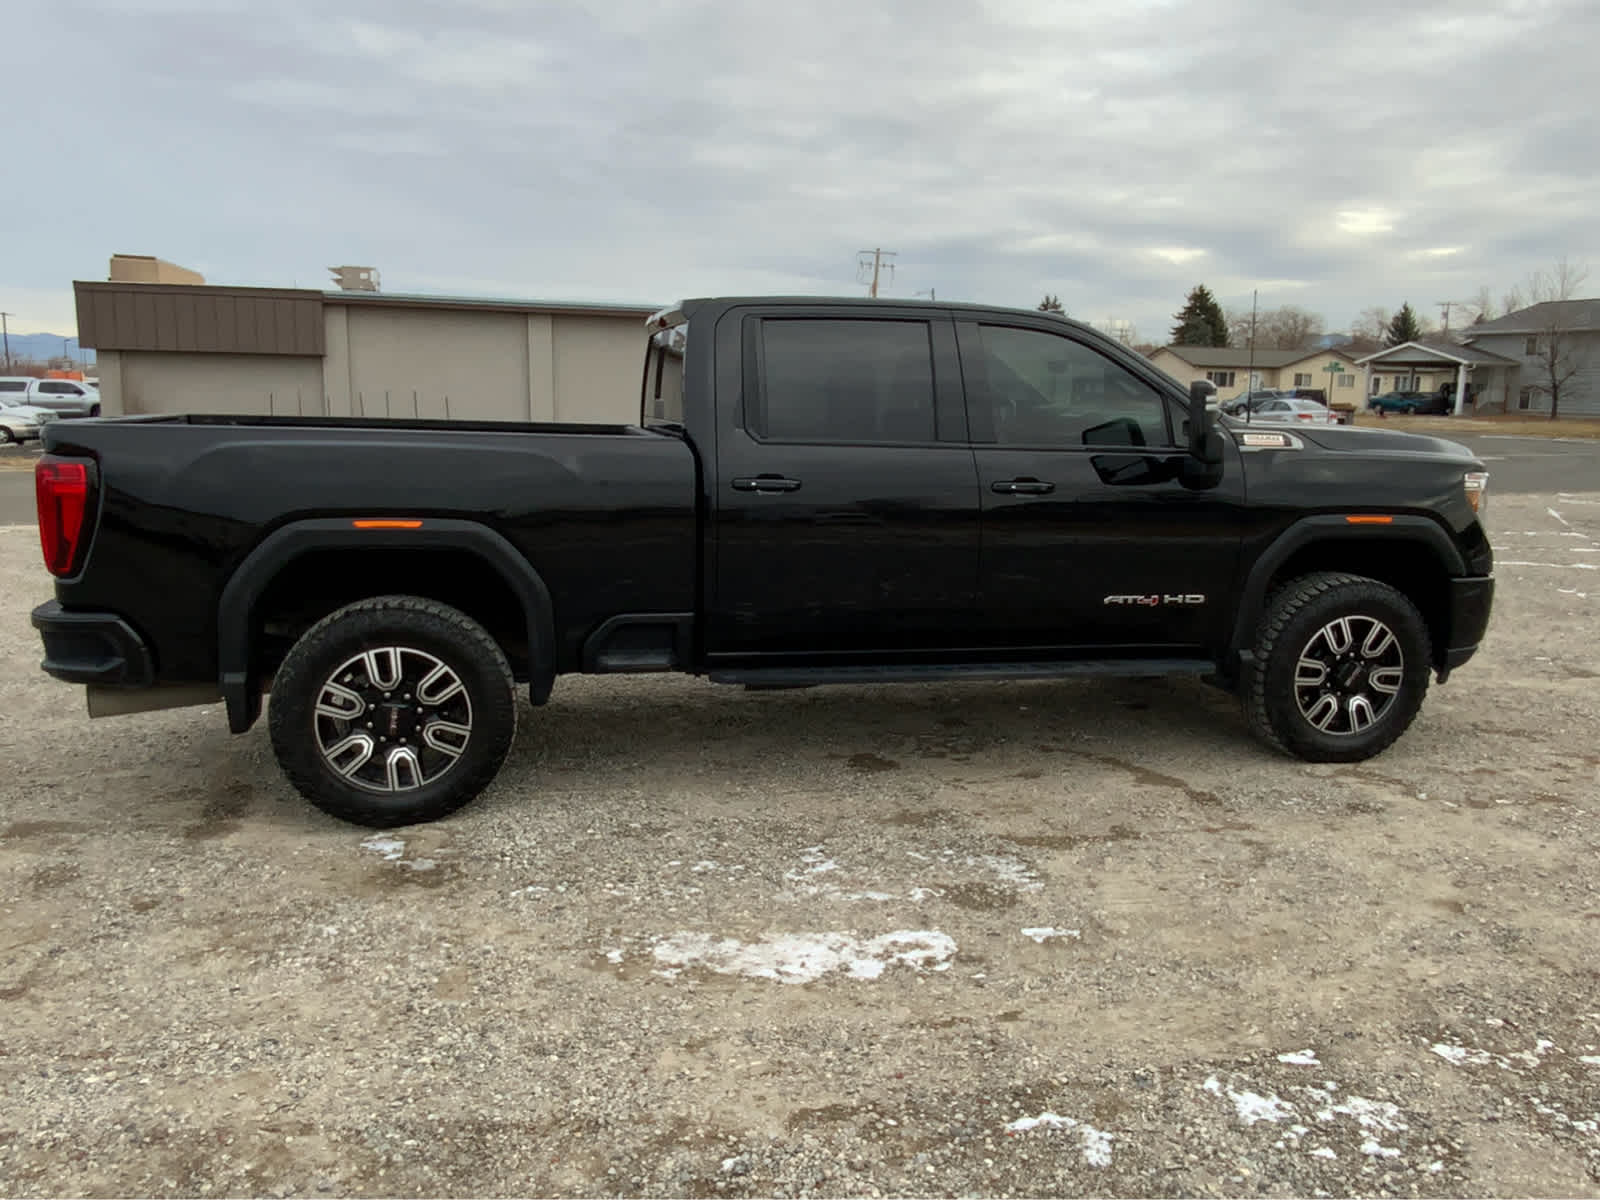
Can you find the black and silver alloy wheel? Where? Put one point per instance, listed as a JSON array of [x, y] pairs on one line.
[[393, 719], [1339, 668], [1348, 675], [393, 710]]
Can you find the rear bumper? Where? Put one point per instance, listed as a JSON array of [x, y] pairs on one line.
[[92, 647], [1470, 601]]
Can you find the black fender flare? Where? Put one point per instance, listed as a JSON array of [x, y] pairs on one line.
[[241, 691], [1426, 534]]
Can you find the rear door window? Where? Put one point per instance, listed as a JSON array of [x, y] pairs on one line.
[[850, 381]]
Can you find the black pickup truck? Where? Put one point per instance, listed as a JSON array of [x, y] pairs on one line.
[[817, 491]]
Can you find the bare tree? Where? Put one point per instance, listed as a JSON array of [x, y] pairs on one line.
[[1287, 328], [1560, 355], [1371, 325], [1512, 301], [1481, 306]]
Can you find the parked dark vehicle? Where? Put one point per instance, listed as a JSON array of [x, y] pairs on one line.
[[1408, 402], [817, 492]]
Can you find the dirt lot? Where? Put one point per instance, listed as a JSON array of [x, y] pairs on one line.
[[1501, 424], [1061, 938]]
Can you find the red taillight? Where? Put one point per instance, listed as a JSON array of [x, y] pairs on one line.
[[63, 491]]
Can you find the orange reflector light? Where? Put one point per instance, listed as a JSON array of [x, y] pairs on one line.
[[408, 524], [1370, 520]]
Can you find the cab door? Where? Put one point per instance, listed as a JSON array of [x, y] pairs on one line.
[[845, 514], [1091, 541]]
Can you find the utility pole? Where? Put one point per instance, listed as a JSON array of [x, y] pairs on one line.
[[878, 265], [1445, 306], [5, 330]]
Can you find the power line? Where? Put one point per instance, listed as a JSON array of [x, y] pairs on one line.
[[875, 259]]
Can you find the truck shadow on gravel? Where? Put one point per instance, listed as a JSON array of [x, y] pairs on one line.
[[870, 730]]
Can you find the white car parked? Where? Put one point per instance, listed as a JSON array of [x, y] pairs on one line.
[[18, 422], [1291, 410]]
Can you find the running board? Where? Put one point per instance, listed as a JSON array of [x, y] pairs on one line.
[[791, 677]]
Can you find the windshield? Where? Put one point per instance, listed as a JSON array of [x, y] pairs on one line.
[[663, 376]]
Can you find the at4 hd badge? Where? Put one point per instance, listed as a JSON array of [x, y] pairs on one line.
[[1156, 600]]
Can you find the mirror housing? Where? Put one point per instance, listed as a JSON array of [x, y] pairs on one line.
[[1202, 423], [1206, 450]]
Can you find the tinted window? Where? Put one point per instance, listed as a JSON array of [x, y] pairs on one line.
[[13, 385], [1047, 390], [51, 388], [845, 381]]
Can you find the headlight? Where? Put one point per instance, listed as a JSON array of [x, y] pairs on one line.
[[1477, 485]]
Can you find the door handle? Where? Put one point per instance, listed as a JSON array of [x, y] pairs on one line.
[[1027, 486], [765, 483]]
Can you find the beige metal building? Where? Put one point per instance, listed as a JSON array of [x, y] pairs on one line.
[[147, 268], [182, 348]]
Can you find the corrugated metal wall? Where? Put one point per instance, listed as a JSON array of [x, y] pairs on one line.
[[194, 320]]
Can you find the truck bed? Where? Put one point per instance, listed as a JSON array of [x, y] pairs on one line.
[[605, 513]]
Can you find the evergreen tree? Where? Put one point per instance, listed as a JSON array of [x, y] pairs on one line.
[[1051, 304], [1404, 327], [1200, 322]]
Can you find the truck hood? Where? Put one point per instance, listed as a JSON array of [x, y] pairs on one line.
[[1386, 442]]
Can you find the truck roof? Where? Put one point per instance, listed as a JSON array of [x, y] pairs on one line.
[[686, 308]]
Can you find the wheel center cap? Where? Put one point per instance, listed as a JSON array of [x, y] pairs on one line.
[[391, 718], [1349, 675]]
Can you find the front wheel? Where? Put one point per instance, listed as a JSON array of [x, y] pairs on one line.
[[7, 437], [1340, 668], [94, 410], [392, 711]]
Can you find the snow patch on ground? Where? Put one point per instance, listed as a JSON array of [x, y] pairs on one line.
[[1045, 933], [1373, 1118], [1300, 1058], [1096, 1143], [805, 957], [391, 848], [823, 876], [1472, 1056], [1251, 1106]]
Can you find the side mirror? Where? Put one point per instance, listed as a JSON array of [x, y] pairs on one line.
[[1203, 466], [1205, 443]]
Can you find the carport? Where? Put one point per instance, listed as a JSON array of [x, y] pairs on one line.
[[1493, 371]]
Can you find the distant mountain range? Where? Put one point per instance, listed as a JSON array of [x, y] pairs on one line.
[[41, 347]]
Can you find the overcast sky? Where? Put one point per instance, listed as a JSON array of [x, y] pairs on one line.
[[1114, 152]]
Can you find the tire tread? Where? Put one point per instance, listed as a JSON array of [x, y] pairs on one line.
[[298, 759], [1283, 606]]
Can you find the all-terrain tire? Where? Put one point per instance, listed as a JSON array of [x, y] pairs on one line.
[[1368, 693], [420, 687]]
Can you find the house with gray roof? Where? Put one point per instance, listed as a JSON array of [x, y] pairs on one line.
[[1564, 334]]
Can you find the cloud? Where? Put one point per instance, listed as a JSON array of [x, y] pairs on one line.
[[1112, 154]]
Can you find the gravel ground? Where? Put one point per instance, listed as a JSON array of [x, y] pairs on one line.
[[1059, 938]]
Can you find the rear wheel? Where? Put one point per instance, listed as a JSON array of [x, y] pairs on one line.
[[392, 711], [94, 410], [1340, 668], [6, 436]]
